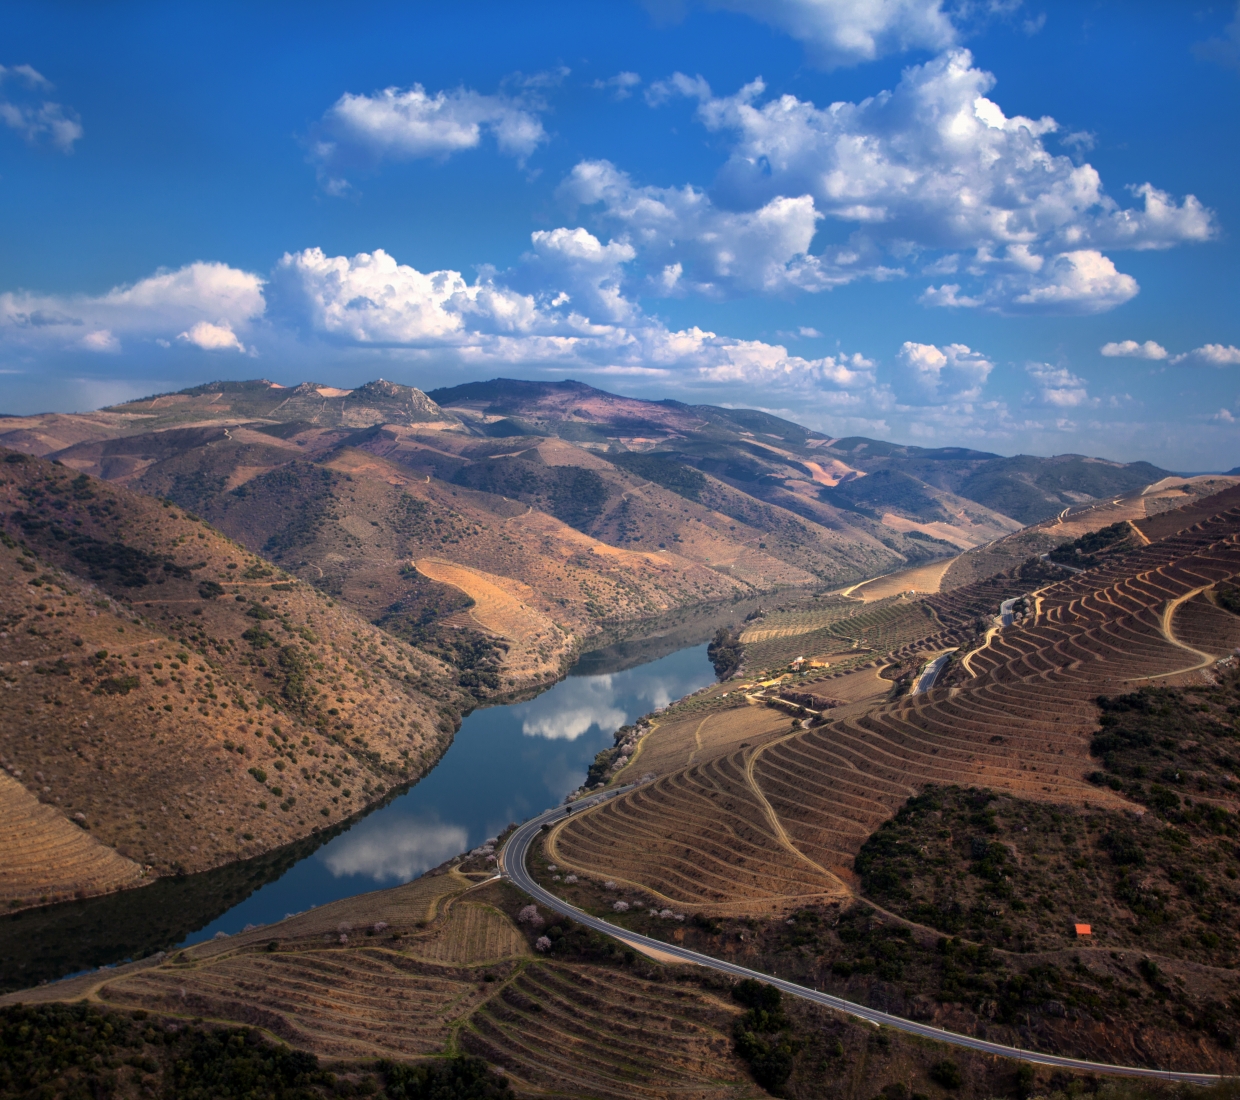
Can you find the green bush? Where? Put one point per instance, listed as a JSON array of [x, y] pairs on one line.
[[947, 1074]]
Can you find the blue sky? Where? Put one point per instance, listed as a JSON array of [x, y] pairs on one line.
[[1001, 224]]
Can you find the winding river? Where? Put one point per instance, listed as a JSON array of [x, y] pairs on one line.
[[506, 764]]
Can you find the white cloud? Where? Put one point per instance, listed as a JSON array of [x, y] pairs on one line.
[[100, 340], [209, 337], [1058, 386], [1130, 349], [410, 123], [953, 368], [23, 109], [936, 166], [845, 32], [1223, 416], [1214, 355], [621, 85], [1084, 281], [160, 306], [370, 300], [688, 244]]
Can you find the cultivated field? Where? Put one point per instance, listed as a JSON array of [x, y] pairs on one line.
[[48, 858], [922, 581], [446, 970], [765, 825]]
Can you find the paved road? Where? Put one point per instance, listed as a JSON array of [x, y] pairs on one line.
[[931, 673], [512, 866]]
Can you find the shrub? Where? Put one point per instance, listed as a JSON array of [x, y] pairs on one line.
[[462, 1078], [259, 774], [209, 590], [117, 685], [947, 1074]]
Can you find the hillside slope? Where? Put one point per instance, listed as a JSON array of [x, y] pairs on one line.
[[179, 697]]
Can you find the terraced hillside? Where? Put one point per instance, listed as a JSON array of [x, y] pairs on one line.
[[440, 965], [758, 826], [180, 699]]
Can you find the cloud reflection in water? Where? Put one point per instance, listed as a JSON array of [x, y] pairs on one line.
[[605, 702], [400, 853]]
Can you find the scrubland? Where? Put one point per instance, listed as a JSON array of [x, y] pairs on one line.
[[178, 697]]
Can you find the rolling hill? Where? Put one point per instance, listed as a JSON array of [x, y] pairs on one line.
[[174, 702]]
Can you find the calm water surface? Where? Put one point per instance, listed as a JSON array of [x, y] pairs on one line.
[[506, 764]]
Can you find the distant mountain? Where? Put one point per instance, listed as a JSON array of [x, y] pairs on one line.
[[500, 525], [750, 447]]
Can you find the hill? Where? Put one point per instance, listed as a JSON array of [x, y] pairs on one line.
[[590, 508], [175, 702]]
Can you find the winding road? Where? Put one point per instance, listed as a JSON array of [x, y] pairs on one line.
[[512, 866]]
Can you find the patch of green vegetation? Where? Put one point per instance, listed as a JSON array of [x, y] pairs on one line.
[[1018, 875], [762, 1037], [1082, 552], [82, 1051], [1176, 750], [462, 1078], [725, 652], [663, 470], [116, 685], [1228, 596]]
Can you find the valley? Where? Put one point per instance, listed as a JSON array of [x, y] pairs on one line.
[[240, 616]]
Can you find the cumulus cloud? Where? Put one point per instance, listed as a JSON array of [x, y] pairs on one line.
[[23, 108], [1130, 349], [953, 369], [199, 303], [100, 340], [1214, 355], [935, 166], [209, 337], [846, 32], [687, 244], [371, 300], [410, 123], [1058, 386]]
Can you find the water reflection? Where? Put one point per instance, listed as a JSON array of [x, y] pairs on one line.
[[397, 854], [506, 764]]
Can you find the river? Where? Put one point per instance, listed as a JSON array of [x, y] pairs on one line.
[[506, 764]]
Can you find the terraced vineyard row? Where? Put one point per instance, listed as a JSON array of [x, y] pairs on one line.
[[758, 826], [447, 971]]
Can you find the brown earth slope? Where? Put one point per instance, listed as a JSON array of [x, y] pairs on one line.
[[181, 698], [750, 827]]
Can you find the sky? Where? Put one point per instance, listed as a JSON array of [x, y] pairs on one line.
[[1001, 224]]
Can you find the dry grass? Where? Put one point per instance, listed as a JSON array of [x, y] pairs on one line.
[[923, 580], [502, 606]]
